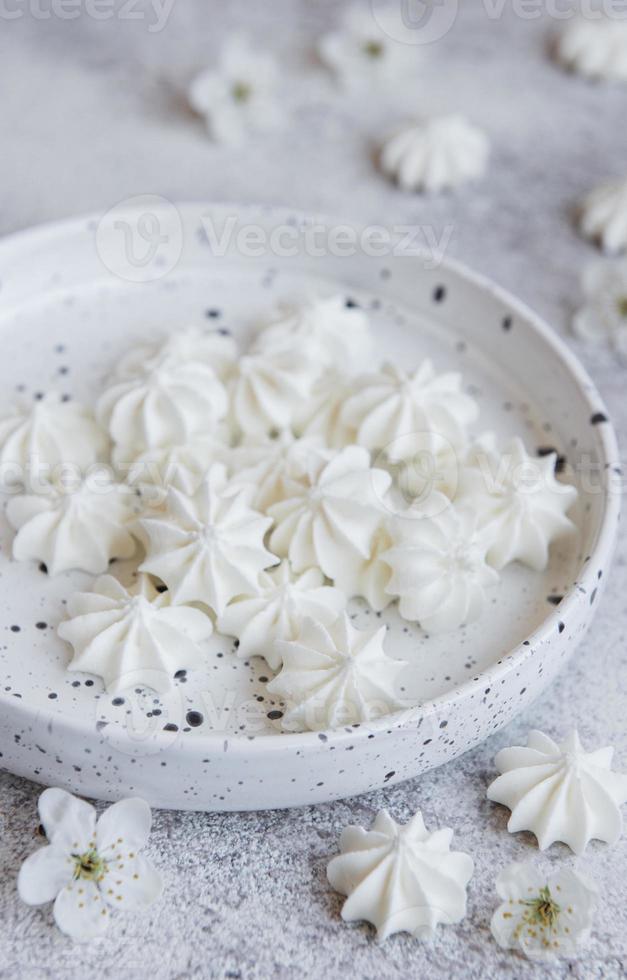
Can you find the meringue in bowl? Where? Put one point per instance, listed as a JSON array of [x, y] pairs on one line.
[[215, 739]]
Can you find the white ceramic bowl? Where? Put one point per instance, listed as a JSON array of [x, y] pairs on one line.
[[74, 295]]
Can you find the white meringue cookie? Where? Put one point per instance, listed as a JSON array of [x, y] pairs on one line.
[[439, 569], [401, 878], [82, 527], [132, 636], [333, 515], [392, 405], [207, 548], [595, 48], [267, 467], [604, 216], [285, 600], [172, 403], [180, 466], [320, 415], [214, 348], [435, 155], [335, 675], [268, 388], [520, 504], [560, 792], [39, 436], [333, 330], [368, 577]]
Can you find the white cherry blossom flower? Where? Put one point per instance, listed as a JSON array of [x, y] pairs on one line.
[[363, 54], [603, 317], [238, 95], [543, 917], [89, 865]]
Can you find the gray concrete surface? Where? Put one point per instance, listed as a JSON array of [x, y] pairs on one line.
[[91, 112]]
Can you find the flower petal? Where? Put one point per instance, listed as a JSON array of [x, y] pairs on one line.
[[44, 874], [69, 822], [131, 884], [125, 827], [80, 912]]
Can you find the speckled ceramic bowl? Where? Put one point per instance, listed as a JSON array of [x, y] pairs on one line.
[[74, 296]]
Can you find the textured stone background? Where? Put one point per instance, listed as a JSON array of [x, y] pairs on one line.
[[92, 112]]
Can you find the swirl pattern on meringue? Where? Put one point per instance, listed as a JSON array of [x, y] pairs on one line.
[[336, 511], [284, 601], [208, 547], [81, 528], [333, 332], [39, 436], [439, 569], [394, 404], [133, 636], [594, 48], [520, 504], [268, 466], [335, 675], [401, 878], [435, 155], [604, 216], [560, 792]]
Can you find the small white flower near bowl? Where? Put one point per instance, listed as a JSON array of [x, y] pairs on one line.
[[543, 917], [401, 878], [362, 54], [560, 792], [603, 216], [436, 155], [603, 317], [90, 865], [595, 48], [239, 95]]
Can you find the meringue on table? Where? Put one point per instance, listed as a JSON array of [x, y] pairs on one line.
[[335, 675], [560, 792], [401, 878], [435, 155], [595, 48], [604, 216], [133, 636]]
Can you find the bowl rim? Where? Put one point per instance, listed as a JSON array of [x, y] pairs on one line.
[[600, 553]]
